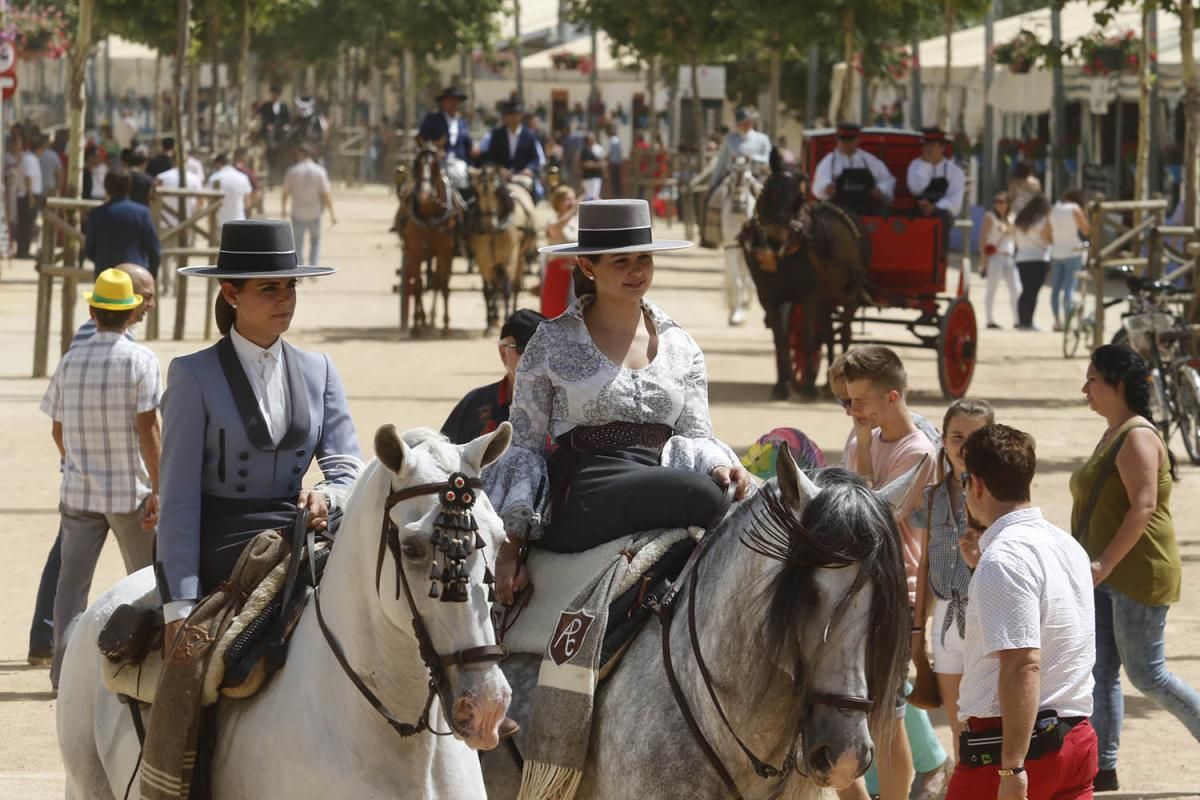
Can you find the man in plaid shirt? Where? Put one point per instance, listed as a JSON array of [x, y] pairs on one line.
[[104, 400]]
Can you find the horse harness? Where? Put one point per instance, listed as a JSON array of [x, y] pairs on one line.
[[665, 608], [456, 537], [452, 203]]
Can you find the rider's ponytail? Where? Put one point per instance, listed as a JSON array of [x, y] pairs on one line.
[[1118, 365], [224, 313]]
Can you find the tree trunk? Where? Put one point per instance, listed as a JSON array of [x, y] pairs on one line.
[[844, 102], [1191, 104], [697, 110], [244, 92], [944, 95], [652, 98], [775, 66], [214, 46], [157, 104], [1141, 187], [183, 15], [77, 97]]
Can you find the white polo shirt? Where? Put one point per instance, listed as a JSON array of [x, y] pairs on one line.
[[1032, 588]]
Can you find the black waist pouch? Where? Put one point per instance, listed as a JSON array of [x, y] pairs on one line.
[[982, 748]]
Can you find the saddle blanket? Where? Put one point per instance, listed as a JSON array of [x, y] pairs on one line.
[[557, 579]]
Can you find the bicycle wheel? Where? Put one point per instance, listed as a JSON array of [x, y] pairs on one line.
[[1077, 330], [1187, 388]]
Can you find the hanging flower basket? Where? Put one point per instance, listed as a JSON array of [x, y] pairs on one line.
[[1102, 54], [564, 59], [37, 32], [1022, 53]]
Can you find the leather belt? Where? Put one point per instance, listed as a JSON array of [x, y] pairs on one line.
[[616, 435]]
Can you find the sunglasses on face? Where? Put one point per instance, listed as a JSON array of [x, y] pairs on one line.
[[845, 403]]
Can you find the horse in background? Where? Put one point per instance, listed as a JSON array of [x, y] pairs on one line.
[[500, 233], [810, 267], [428, 221], [734, 197]]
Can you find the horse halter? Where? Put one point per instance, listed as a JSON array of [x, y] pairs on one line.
[[666, 613], [455, 537]]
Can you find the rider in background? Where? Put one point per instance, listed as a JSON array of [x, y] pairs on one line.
[[274, 117], [936, 182], [516, 148], [482, 410], [744, 140], [447, 130], [853, 178]]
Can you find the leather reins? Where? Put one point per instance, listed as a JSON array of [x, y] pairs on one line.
[[389, 541], [665, 609]]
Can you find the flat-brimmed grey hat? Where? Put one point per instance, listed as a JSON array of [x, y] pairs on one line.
[[257, 248], [615, 226]]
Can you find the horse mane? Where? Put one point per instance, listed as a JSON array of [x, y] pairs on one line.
[[845, 524], [824, 216]]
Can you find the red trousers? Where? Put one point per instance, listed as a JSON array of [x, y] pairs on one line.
[[1065, 775], [556, 284]]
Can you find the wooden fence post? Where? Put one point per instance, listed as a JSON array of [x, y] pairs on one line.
[[41, 335], [1154, 250], [1095, 254], [210, 285]]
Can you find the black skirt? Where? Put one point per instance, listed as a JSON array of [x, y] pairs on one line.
[[228, 524]]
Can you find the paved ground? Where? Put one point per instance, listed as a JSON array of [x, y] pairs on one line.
[[353, 317]]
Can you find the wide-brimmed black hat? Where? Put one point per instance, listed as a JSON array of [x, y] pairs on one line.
[[257, 248], [848, 130], [933, 135], [512, 107], [615, 226], [451, 92]]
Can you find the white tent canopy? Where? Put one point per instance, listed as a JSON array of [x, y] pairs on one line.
[[1027, 93]]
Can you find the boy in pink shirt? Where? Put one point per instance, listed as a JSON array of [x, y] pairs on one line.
[[884, 445]]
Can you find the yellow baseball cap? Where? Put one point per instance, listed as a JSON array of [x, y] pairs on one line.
[[113, 292]]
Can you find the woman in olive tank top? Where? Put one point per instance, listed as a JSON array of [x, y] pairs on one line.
[[1121, 516]]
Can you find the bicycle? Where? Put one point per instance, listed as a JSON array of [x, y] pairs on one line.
[[1156, 333], [1079, 328]]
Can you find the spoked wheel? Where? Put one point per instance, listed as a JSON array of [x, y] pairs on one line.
[[805, 362], [1187, 385], [956, 345], [1079, 328]]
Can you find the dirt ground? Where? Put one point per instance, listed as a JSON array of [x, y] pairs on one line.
[[414, 382]]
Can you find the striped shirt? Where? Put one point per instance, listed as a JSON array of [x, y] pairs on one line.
[[99, 388], [949, 575], [88, 329]]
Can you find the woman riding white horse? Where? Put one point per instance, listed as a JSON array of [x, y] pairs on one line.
[[735, 197], [312, 732]]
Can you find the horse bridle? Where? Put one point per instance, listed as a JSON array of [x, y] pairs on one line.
[[666, 613], [457, 493]]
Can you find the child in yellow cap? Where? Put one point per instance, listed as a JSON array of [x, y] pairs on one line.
[[104, 399]]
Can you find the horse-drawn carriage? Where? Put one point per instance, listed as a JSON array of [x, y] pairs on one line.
[[907, 270]]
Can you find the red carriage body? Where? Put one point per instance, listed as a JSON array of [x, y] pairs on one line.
[[908, 263]]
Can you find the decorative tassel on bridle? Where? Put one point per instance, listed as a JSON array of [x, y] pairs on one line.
[[455, 537]]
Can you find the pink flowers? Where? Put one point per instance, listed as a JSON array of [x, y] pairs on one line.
[[37, 31]]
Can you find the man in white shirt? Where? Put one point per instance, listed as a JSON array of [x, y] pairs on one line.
[[236, 188], [1030, 647], [170, 204], [29, 195], [936, 182], [852, 177], [307, 185]]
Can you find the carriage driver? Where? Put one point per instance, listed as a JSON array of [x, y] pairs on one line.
[[516, 148], [853, 178], [936, 182], [449, 131], [745, 141]]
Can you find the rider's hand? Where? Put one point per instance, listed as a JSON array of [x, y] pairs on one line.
[[511, 576], [318, 508], [736, 475]]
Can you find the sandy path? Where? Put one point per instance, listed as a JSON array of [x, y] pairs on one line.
[[353, 317]]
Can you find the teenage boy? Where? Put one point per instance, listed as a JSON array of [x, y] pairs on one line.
[[104, 400], [885, 444]]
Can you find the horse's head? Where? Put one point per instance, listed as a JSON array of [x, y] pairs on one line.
[[491, 192], [446, 536], [837, 611], [778, 204]]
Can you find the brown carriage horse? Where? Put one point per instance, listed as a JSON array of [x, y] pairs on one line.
[[809, 263], [431, 217], [501, 233]]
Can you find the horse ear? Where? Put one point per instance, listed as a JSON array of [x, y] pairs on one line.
[[488, 448], [898, 493], [391, 451], [795, 487]]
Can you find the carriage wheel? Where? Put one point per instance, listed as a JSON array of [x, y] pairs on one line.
[[956, 346], [805, 364]]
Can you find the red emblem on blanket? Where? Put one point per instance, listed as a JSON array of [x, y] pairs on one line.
[[569, 635]]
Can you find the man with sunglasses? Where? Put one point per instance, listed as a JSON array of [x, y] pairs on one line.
[[1030, 646], [483, 409]]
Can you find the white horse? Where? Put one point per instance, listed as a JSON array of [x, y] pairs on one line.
[[735, 196], [799, 612], [310, 733]]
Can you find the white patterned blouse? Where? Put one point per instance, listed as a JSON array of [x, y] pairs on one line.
[[564, 381]]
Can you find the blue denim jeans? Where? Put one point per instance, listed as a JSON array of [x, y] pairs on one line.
[[41, 631], [312, 228], [1131, 634], [1062, 283]]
